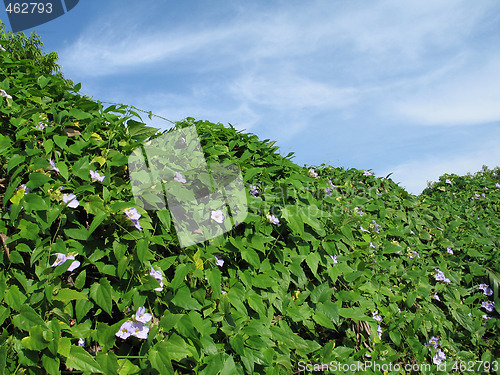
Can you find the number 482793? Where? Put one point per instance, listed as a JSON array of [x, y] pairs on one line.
[[26, 8]]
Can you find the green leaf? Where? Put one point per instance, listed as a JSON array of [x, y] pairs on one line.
[[354, 313], [81, 360], [37, 179], [66, 295], [108, 362], [101, 293]]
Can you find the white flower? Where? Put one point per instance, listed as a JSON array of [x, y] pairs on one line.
[[178, 177], [41, 126], [4, 94], [132, 213], [139, 330], [62, 258], [95, 176], [217, 216], [313, 173], [436, 297], [273, 219], [81, 342], [53, 165], [2, 49], [367, 173], [142, 316], [334, 258], [438, 358], [376, 316], [71, 201], [220, 262], [158, 276]]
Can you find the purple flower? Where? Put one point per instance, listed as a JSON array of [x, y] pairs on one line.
[[434, 341], [53, 165], [217, 216], [414, 255], [367, 173], [130, 328], [372, 245], [438, 358], [253, 190], [273, 219], [62, 258], [448, 181], [440, 276], [41, 126], [158, 276], [219, 262], [334, 258], [223, 292], [436, 297], [328, 192], [377, 227], [497, 185], [364, 230], [23, 187], [134, 216], [95, 176], [489, 306], [179, 178], [142, 316], [376, 316], [70, 200], [486, 289], [81, 342], [2, 49], [485, 316], [4, 94], [312, 173], [449, 250], [331, 184], [379, 330]]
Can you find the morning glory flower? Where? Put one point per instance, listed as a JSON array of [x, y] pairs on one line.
[[438, 358], [217, 216], [376, 316], [448, 181], [62, 258], [142, 316], [178, 177], [377, 227], [125, 330], [485, 316], [489, 306], [253, 190], [334, 258], [414, 255], [328, 192], [434, 341], [367, 173], [223, 292], [440, 276], [4, 94], [273, 219], [436, 297], [139, 330], [133, 215], [23, 187], [158, 276], [95, 176], [497, 185], [364, 230], [70, 200], [41, 126], [331, 184], [372, 245], [53, 165], [313, 173], [220, 262], [379, 330], [486, 289], [81, 342], [449, 250], [2, 49]]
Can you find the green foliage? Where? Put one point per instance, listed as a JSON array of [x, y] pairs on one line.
[[349, 248]]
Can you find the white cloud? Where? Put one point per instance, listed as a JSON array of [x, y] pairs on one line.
[[413, 175], [466, 96]]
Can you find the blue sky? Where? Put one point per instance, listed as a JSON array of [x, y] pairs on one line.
[[404, 87]]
